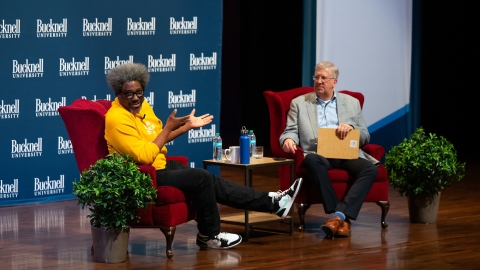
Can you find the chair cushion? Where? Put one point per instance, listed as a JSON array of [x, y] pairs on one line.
[[338, 175], [173, 214], [168, 195]]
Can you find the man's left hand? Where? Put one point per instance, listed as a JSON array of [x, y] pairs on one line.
[[343, 129], [199, 121]]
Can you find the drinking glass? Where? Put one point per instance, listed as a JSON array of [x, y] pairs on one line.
[[258, 154]]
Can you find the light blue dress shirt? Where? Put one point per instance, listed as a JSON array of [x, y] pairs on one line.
[[327, 112]]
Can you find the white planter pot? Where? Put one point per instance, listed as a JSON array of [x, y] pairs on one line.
[[110, 246]]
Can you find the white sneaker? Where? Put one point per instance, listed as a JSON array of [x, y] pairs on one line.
[[283, 200], [221, 241]]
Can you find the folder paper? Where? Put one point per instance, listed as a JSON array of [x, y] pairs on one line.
[[330, 145]]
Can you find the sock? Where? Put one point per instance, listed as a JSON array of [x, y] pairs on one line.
[[273, 195], [340, 215]]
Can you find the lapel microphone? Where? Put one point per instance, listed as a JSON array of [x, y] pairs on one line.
[[140, 116]]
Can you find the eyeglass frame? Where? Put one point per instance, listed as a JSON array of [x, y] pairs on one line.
[[323, 79], [136, 93]]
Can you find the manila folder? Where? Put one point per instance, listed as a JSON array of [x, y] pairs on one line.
[[330, 145]]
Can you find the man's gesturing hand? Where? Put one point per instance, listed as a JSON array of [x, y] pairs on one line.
[[199, 121], [174, 123]]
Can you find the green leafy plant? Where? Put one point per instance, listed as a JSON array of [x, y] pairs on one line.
[[115, 189], [424, 164]]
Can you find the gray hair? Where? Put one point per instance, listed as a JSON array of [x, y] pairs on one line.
[[329, 65], [127, 72]]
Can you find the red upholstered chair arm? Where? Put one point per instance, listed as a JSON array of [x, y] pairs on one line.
[[149, 169], [299, 157], [181, 159], [374, 150]]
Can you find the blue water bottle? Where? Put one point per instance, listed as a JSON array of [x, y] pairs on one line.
[[244, 146]]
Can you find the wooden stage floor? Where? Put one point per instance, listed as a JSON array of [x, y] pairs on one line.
[[57, 236]]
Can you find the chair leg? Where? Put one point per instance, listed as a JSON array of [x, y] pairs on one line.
[[385, 205], [302, 209], [169, 233]]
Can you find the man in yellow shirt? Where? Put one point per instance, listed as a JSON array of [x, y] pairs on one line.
[[131, 127]]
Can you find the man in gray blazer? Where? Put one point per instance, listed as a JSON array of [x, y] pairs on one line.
[[326, 108]]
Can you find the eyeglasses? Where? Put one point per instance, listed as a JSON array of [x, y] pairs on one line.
[[129, 95], [322, 79]]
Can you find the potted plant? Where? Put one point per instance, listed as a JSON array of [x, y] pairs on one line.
[[421, 167], [115, 189]]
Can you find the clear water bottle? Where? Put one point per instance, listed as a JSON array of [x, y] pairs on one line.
[[217, 147], [253, 142]]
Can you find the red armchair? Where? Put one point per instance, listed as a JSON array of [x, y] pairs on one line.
[[85, 124], [279, 105]]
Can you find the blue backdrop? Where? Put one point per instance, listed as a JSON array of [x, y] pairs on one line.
[[53, 52]]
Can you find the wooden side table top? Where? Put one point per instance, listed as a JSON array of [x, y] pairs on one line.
[[254, 162]]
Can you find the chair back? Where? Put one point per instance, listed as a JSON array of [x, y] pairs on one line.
[[278, 107], [356, 95], [85, 123]]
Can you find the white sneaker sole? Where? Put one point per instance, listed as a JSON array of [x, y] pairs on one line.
[[203, 247], [228, 246]]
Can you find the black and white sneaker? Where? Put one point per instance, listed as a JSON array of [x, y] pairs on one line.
[[283, 200], [221, 241]]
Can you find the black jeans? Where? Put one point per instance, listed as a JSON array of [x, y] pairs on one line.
[[364, 171], [206, 189]]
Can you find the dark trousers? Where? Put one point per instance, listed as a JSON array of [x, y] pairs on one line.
[[364, 171], [206, 190]]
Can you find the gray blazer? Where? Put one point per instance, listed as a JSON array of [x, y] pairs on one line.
[[302, 123]]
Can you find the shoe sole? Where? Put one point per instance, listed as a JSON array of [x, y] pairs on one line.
[[202, 247], [328, 231], [289, 205]]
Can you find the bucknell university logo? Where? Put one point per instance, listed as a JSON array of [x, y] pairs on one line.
[[26, 149], [8, 189], [9, 110], [74, 68], [10, 30], [109, 64], [182, 100], [49, 187], [141, 28], [27, 70], [162, 64], [49, 108], [97, 29], [203, 62], [51, 29], [183, 27], [201, 135], [64, 146]]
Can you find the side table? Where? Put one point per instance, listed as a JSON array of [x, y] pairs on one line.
[[255, 218]]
